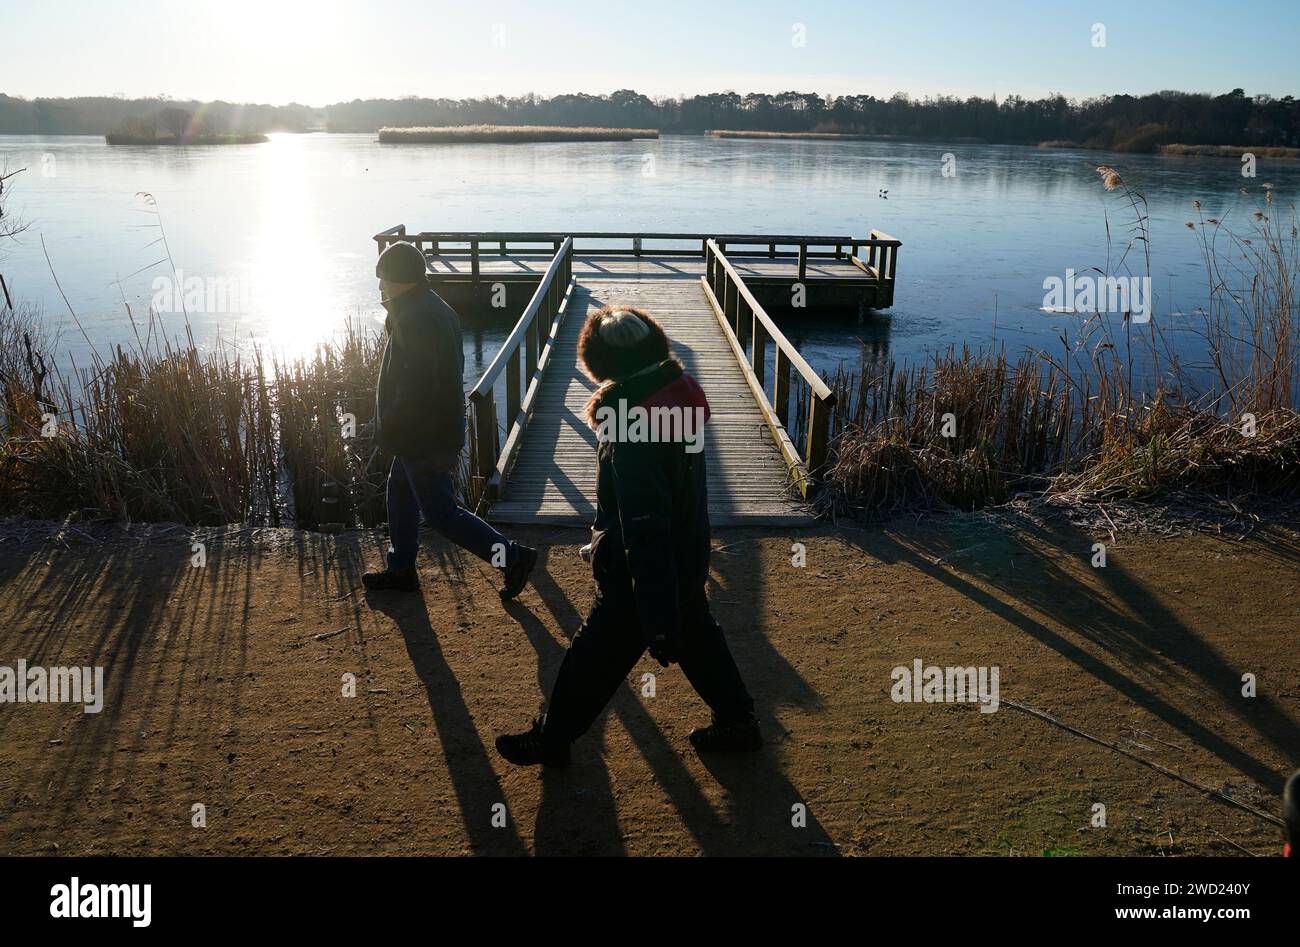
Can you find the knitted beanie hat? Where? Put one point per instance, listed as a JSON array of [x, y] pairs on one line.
[[622, 329]]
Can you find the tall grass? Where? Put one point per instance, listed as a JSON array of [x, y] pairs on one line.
[[163, 431], [1229, 151], [815, 135], [325, 405], [1084, 423], [891, 451]]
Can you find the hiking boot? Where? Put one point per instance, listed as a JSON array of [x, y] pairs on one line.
[[717, 737], [395, 580], [517, 572], [532, 748]]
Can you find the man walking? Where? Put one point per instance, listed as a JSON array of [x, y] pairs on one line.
[[420, 420], [649, 553]]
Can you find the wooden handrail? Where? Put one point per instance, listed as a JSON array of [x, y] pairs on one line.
[[880, 264], [395, 234], [797, 361], [475, 243], [730, 297], [534, 333]]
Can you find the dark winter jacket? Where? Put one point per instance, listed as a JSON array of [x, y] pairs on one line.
[[420, 400], [651, 533]]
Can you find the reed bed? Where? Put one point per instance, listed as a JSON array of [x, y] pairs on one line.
[[143, 438], [326, 414], [951, 432], [163, 432], [829, 136], [510, 134], [1229, 151], [967, 429]]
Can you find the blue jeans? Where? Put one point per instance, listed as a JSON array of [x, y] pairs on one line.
[[416, 487]]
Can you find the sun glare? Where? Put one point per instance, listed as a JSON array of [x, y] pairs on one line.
[[294, 301]]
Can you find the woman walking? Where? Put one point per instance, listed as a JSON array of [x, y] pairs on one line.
[[650, 547]]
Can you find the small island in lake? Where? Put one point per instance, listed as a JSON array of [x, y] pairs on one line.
[[827, 136], [178, 126], [122, 138]]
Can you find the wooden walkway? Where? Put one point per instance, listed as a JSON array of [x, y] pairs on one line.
[[554, 477], [532, 454]]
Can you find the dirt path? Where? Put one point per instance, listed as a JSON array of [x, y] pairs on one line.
[[223, 688]]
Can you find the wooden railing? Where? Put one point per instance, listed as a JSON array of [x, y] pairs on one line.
[[625, 243], [735, 305], [534, 337], [881, 262]]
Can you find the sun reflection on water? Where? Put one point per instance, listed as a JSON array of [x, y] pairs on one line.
[[293, 276]]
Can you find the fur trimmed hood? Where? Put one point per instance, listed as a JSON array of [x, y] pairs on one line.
[[667, 385]]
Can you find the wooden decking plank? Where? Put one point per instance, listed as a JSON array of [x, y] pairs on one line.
[[553, 479]]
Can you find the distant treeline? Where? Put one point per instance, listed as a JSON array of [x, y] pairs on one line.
[[521, 134], [1121, 122], [100, 115]]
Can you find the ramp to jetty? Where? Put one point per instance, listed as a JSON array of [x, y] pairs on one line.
[[538, 467]]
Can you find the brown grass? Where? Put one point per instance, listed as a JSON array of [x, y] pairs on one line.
[[1228, 151], [1025, 426], [1080, 425], [832, 136], [163, 432]]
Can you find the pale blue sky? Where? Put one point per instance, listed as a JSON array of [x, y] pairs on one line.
[[330, 50]]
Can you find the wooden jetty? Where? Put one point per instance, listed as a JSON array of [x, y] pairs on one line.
[[537, 463]]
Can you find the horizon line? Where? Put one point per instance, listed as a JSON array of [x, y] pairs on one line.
[[654, 97]]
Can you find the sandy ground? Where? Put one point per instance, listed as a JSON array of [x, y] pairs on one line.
[[220, 693]]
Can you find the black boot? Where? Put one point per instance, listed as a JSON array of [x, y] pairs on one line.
[[518, 571], [396, 580], [742, 737], [532, 748]]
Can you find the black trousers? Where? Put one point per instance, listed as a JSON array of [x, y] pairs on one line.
[[609, 645]]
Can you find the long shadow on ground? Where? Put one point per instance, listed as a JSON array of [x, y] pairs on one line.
[[577, 815], [1155, 655]]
